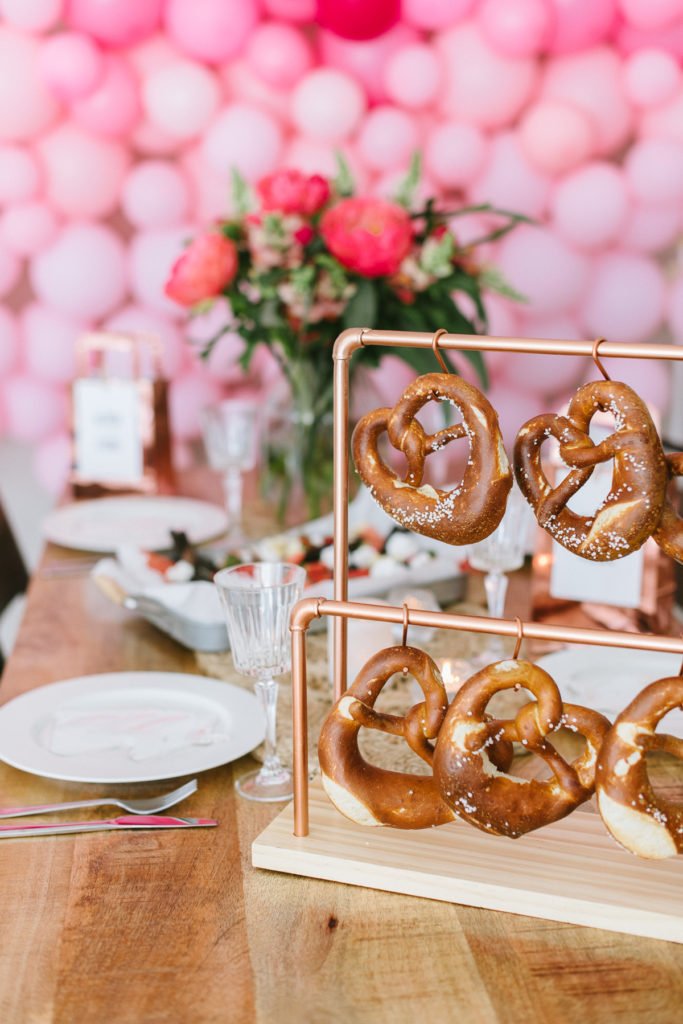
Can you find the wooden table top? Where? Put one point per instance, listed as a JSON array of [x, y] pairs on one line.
[[139, 928]]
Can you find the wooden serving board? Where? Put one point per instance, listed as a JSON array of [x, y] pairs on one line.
[[571, 871]]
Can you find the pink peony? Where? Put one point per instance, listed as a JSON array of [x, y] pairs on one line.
[[369, 236], [207, 266], [291, 191]]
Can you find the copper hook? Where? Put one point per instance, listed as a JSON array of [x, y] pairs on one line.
[[406, 623], [596, 359], [520, 637], [435, 349]]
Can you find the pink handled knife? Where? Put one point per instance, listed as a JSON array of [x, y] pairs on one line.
[[131, 821]]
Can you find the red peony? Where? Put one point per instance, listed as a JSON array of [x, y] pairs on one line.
[[207, 266], [291, 191], [369, 236]]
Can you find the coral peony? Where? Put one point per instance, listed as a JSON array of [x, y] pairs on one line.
[[290, 191], [207, 266], [369, 236]]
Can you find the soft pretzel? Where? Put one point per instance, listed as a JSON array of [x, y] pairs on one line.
[[491, 799], [646, 824], [631, 511], [473, 509], [376, 796], [669, 533]]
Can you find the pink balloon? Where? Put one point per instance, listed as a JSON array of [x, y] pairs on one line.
[[509, 180], [651, 228], [577, 24], [365, 61], [266, 368], [520, 29], [625, 298], [291, 10], [651, 77], [412, 76], [152, 54], [435, 14], [357, 19], [84, 174], [27, 107], [630, 40], [321, 91], [28, 227], [387, 139], [665, 121], [115, 22], [557, 136], [211, 30], [180, 98], [50, 342], [548, 272], [155, 195], [590, 205], [245, 138], [503, 318], [383, 385], [152, 254], [514, 408], [52, 462], [34, 409], [241, 83], [137, 320], [654, 171], [455, 153], [591, 80], [31, 15], [149, 140], [188, 395], [651, 13], [210, 198], [71, 65], [223, 363], [20, 176], [10, 271], [9, 342], [279, 54], [563, 327], [675, 311], [314, 157], [483, 86], [649, 378], [539, 374], [113, 108], [387, 186], [82, 273]]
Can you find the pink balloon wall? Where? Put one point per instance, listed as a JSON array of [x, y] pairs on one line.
[[120, 121]]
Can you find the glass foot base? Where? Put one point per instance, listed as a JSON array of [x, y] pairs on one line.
[[266, 788]]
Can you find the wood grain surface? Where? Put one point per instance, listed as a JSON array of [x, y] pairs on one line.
[[141, 928]]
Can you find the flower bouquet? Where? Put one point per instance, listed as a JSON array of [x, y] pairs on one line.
[[303, 257]]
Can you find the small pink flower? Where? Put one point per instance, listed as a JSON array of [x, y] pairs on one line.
[[290, 191], [369, 236], [304, 234], [207, 266]]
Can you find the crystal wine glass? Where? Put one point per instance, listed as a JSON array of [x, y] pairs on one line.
[[501, 552], [257, 600], [230, 439]]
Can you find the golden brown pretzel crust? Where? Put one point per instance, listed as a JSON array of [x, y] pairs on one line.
[[492, 800], [646, 824], [377, 796], [669, 533], [473, 509], [631, 511]]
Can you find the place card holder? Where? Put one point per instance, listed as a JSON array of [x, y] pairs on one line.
[[121, 441]]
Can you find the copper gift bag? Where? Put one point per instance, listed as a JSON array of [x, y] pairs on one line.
[[119, 417]]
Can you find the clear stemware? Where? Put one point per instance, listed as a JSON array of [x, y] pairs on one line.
[[230, 431], [258, 599], [499, 553]]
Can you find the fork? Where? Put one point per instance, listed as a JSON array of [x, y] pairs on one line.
[[147, 805]]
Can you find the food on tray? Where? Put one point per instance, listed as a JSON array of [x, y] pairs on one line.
[[467, 513]]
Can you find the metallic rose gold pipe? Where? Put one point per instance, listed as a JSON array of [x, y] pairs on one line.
[[302, 615]]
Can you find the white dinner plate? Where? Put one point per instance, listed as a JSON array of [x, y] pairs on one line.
[[129, 727], [145, 521], [607, 679]]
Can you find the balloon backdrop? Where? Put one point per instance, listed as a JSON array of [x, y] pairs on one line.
[[120, 122]]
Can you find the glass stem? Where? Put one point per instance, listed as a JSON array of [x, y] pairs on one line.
[[267, 692], [496, 585], [232, 486]]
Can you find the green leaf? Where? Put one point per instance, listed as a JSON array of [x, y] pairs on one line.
[[405, 192], [491, 278], [242, 198], [361, 310], [343, 182]]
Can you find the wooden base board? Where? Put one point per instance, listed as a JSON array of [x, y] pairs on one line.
[[571, 871]]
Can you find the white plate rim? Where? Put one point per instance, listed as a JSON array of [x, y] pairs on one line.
[[13, 716]]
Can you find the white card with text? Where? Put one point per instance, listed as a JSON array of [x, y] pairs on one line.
[[107, 435]]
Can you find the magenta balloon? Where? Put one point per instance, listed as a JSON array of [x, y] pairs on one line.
[[358, 19], [366, 61], [652, 228], [188, 395], [651, 13], [10, 271], [323, 90], [115, 22], [245, 138], [52, 462], [28, 227], [412, 75], [113, 108], [81, 253], [145, 321], [151, 256], [155, 195], [50, 342], [435, 14], [279, 54], [32, 15], [519, 29], [387, 139], [624, 300], [9, 342], [483, 86], [291, 10], [654, 171], [83, 173], [71, 65], [557, 136], [651, 77], [211, 30], [27, 107], [511, 181], [181, 97], [675, 311], [20, 175], [590, 205], [548, 272], [578, 24], [455, 153], [34, 408]]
